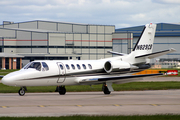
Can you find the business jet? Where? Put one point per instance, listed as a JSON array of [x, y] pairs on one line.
[[118, 69]]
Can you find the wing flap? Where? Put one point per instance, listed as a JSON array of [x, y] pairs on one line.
[[157, 54]]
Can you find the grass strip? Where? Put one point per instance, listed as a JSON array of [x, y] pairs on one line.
[[133, 86], [79, 117]]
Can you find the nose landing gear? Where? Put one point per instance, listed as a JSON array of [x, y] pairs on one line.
[[22, 91]]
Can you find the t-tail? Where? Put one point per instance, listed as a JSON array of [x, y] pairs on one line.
[[145, 42], [142, 51]]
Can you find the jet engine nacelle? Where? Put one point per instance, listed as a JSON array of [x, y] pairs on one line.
[[116, 65]]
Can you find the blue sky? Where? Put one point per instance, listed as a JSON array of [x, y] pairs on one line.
[[121, 13]]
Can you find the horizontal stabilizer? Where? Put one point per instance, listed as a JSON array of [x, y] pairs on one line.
[[116, 53], [157, 54]]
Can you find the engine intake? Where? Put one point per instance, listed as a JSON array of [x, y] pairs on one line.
[[116, 65]]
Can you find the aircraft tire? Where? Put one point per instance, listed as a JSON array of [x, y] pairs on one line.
[[106, 90], [21, 92], [62, 90]]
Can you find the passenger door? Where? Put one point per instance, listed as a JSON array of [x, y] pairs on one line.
[[62, 72]]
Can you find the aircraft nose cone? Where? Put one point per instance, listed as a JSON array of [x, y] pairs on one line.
[[7, 81], [4, 80]]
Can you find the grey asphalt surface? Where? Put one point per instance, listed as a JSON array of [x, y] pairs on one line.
[[93, 103]]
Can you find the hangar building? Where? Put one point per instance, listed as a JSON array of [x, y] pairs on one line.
[[38, 40]]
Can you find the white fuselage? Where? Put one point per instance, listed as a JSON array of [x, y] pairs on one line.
[[56, 75]]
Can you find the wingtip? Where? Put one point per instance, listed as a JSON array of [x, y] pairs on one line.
[[172, 49]]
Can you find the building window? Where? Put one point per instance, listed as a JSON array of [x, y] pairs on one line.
[[18, 63], [7, 63], [0, 63]]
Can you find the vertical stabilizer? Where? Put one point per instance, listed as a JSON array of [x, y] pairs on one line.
[[144, 44]]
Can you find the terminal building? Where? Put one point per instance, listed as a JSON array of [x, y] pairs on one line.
[[39, 40]]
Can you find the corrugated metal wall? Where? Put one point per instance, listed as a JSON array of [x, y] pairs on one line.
[[90, 41], [122, 42]]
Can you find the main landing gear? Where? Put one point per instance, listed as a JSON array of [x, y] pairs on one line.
[[105, 89], [22, 91], [61, 90]]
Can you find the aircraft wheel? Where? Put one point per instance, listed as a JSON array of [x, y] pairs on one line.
[[21, 92], [105, 89], [62, 90]]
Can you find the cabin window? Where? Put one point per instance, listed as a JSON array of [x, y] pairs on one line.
[[61, 67], [45, 66], [35, 65], [89, 65], [67, 66], [73, 67], [78, 66], [84, 66]]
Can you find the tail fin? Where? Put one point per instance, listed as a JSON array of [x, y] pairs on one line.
[[142, 51], [144, 44]]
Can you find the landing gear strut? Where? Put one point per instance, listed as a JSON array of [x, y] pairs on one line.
[[22, 91], [61, 90], [105, 89]]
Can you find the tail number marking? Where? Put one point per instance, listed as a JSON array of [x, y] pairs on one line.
[[144, 47]]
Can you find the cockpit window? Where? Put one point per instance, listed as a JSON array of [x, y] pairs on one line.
[[27, 65], [35, 65], [45, 66]]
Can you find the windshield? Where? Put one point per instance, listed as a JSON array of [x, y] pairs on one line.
[[34, 65], [25, 67]]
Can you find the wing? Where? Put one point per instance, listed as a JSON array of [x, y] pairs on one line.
[[119, 79]]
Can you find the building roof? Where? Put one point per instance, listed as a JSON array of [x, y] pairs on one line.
[[7, 25], [162, 29], [10, 23], [8, 55]]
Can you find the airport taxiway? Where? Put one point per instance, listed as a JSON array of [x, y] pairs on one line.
[[91, 103]]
